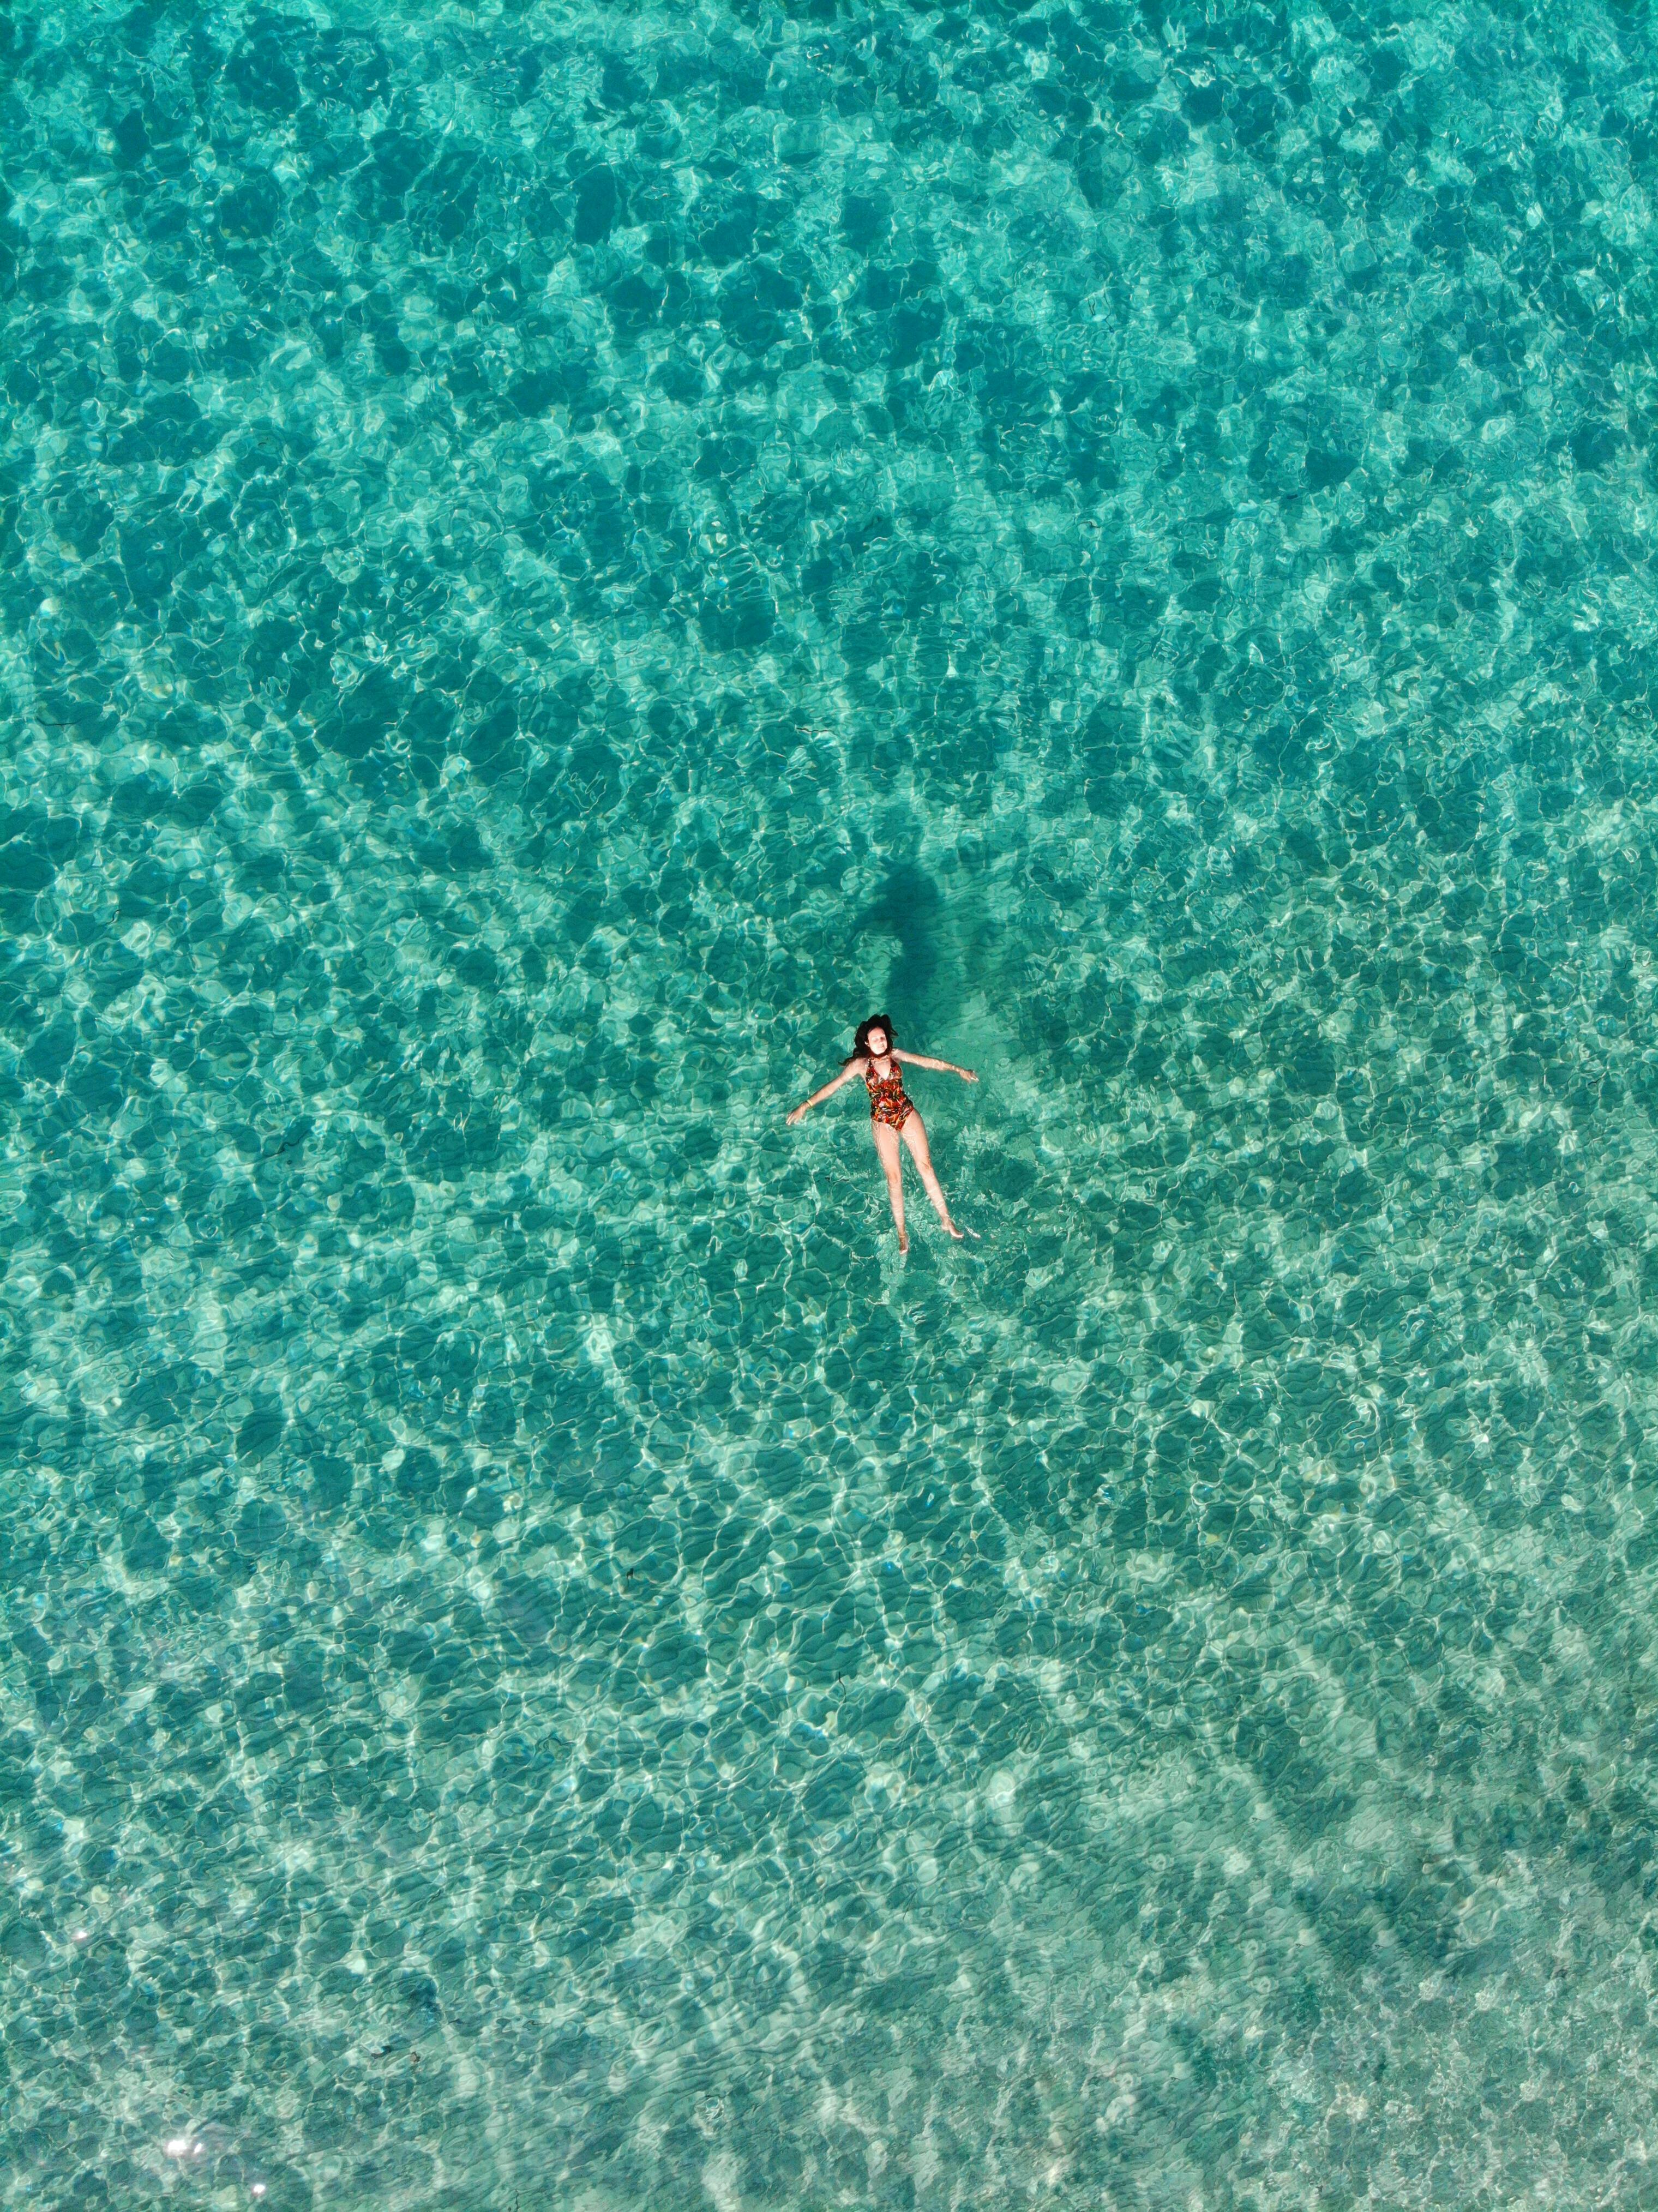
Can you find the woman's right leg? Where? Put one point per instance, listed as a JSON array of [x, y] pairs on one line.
[[892, 1159]]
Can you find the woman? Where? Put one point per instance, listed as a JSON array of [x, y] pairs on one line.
[[891, 1115]]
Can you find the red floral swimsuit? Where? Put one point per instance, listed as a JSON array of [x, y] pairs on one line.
[[887, 1102]]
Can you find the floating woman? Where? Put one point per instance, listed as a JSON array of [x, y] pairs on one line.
[[891, 1115]]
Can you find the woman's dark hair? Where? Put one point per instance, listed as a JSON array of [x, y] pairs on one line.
[[860, 1035]]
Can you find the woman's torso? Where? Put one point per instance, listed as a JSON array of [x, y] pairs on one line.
[[885, 1089]]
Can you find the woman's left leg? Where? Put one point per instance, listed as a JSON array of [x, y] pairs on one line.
[[914, 1135]]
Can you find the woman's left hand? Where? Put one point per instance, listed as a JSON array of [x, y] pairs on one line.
[[967, 1075]]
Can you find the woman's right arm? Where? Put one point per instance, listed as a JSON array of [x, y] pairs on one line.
[[853, 1067]]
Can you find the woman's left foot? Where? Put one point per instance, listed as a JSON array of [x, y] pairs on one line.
[[950, 1229]]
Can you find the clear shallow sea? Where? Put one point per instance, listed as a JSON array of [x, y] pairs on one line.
[[552, 560]]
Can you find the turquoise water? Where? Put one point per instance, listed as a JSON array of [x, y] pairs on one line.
[[553, 560]]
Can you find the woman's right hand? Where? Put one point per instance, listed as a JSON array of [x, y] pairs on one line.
[[799, 1116]]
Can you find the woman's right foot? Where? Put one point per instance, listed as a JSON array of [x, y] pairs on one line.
[[903, 1241]]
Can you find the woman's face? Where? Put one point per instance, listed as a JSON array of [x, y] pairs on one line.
[[876, 1046]]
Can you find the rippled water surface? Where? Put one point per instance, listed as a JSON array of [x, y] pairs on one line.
[[550, 561]]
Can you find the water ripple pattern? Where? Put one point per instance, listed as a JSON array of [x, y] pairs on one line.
[[551, 559]]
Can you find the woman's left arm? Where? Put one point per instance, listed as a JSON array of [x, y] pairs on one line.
[[941, 1067]]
